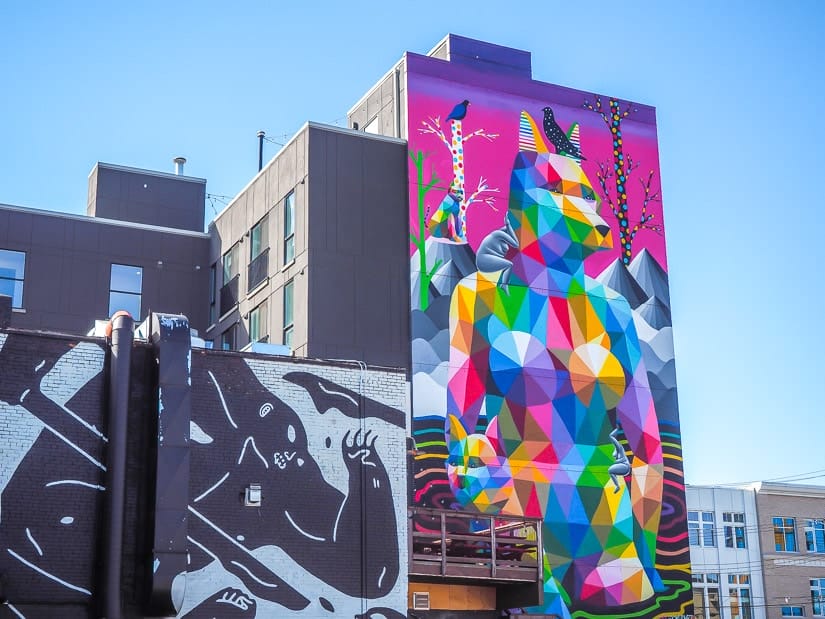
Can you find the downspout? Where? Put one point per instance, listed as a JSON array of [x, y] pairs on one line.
[[171, 341], [121, 332]]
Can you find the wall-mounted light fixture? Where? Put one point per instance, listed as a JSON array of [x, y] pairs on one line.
[[252, 495]]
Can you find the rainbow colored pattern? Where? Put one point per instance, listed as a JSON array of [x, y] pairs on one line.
[[553, 363]]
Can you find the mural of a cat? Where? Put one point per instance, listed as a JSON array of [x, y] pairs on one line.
[[552, 360]]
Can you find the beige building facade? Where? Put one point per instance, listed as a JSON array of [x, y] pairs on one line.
[[791, 524]]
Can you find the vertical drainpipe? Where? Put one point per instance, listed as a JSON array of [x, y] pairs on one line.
[[121, 332], [171, 341], [396, 95]]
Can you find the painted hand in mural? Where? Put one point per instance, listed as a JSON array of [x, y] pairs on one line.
[[554, 363], [492, 253]]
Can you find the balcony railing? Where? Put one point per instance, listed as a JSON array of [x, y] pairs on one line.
[[229, 295], [465, 545], [258, 270]]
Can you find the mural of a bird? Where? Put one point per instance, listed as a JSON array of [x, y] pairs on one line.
[[559, 139], [459, 111]]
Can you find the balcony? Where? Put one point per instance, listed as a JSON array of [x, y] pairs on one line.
[[258, 270], [229, 295], [471, 546]]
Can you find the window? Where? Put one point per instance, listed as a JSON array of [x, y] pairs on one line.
[[213, 272], [259, 238], [289, 227], [818, 596], [288, 312], [258, 329], [792, 611], [739, 595], [12, 269], [125, 284], [784, 534], [230, 264], [815, 535], [700, 529], [228, 338], [258, 254], [229, 289], [735, 531], [706, 595]]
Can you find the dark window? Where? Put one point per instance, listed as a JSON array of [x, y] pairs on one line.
[[289, 228], [259, 238], [125, 286], [229, 290], [228, 339], [230, 264], [818, 596], [258, 324], [784, 534], [700, 529], [258, 254], [815, 535], [288, 312], [12, 269], [734, 529], [213, 287]]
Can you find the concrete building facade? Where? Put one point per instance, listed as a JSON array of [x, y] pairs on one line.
[[310, 254]]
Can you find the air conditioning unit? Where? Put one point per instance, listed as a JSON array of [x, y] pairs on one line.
[[421, 600]]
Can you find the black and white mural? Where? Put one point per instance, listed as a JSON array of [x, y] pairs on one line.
[[325, 448], [297, 492], [51, 471]]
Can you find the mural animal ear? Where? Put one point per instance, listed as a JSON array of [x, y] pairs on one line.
[[529, 136], [457, 430]]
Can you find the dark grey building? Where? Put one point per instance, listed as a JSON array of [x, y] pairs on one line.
[[311, 253], [64, 271]]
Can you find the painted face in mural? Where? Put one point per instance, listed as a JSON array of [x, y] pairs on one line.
[[553, 363]]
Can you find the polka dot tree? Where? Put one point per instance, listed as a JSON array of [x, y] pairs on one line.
[[450, 218], [614, 179]]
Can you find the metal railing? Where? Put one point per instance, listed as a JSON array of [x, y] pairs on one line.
[[229, 295], [467, 545], [258, 270]]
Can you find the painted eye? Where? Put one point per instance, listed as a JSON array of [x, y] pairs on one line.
[[588, 194], [474, 462]]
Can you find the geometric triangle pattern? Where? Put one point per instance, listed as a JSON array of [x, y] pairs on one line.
[[552, 361]]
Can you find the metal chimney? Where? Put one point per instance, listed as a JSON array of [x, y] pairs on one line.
[[261, 136], [179, 161]]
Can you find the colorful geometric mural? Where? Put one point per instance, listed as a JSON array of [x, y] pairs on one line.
[[543, 379]]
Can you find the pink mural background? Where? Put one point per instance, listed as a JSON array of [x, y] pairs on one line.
[[497, 112]]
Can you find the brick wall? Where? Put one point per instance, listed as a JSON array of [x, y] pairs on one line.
[[324, 441], [51, 472]]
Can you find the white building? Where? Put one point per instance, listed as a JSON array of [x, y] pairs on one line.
[[725, 555]]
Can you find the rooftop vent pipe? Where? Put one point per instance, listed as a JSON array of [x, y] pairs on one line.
[[261, 136], [179, 161]]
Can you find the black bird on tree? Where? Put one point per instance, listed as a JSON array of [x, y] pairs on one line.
[[558, 137], [459, 111]]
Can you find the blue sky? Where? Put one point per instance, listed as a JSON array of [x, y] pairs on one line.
[[739, 91]]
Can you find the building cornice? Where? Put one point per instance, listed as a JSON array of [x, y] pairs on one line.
[[103, 221]]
